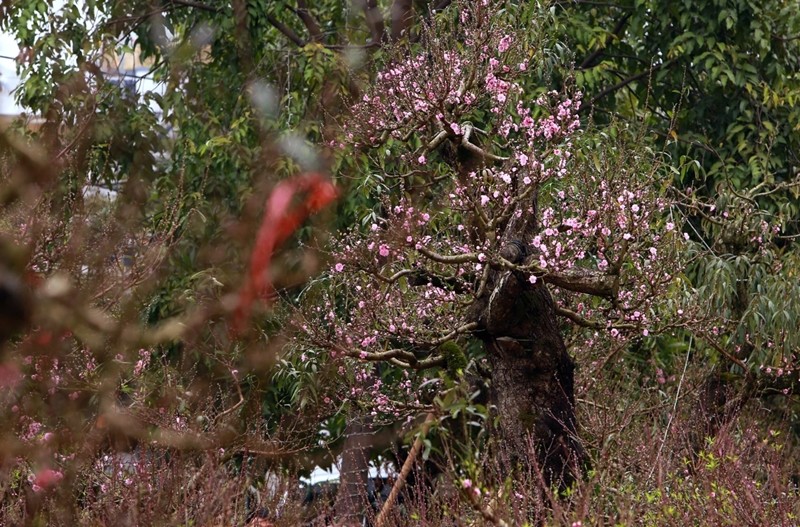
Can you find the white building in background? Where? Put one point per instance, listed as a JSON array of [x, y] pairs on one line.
[[126, 70], [130, 73], [9, 80]]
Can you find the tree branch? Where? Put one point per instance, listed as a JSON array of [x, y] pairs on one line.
[[376, 356], [472, 147], [625, 82], [589, 61], [382, 518], [722, 351], [466, 328], [197, 5], [421, 277], [311, 24], [448, 259], [596, 284], [588, 323], [244, 47], [579, 319], [576, 280], [286, 30]]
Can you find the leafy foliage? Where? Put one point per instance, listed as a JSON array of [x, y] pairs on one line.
[[662, 200]]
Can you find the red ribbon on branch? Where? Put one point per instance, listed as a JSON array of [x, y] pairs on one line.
[[283, 215]]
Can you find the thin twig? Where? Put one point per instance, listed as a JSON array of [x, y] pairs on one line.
[[672, 414], [381, 520]]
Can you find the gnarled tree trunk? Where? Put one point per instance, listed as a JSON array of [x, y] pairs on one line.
[[532, 383]]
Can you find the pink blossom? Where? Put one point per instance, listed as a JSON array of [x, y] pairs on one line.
[[504, 44]]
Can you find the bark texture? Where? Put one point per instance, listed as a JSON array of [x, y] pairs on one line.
[[351, 497], [532, 378], [532, 386]]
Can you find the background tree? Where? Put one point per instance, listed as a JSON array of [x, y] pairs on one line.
[[122, 357], [718, 82]]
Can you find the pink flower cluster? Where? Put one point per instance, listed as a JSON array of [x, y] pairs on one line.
[[404, 284]]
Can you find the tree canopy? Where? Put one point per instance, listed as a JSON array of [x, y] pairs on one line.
[[549, 248]]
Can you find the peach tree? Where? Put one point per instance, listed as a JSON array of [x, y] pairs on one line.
[[501, 218]]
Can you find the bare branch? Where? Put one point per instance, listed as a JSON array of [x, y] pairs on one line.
[[311, 24], [286, 30], [589, 61], [382, 518], [579, 319], [625, 82], [588, 323], [576, 280], [437, 140], [581, 281], [722, 351], [377, 356], [395, 277], [466, 328], [448, 259], [465, 142], [197, 5]]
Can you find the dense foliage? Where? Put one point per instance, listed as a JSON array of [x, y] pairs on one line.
[[565, 238]]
